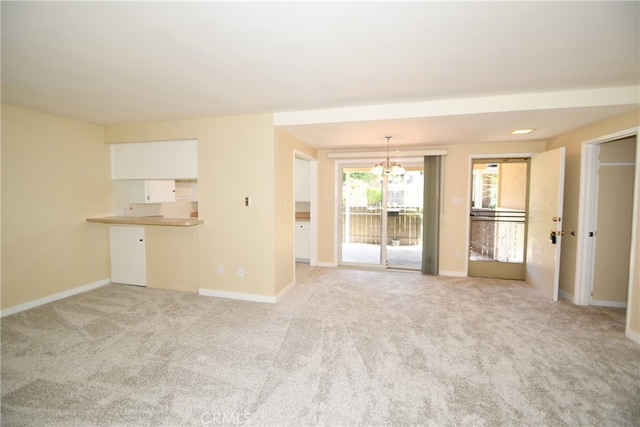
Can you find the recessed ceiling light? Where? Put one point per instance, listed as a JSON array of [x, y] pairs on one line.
[[522, 131]]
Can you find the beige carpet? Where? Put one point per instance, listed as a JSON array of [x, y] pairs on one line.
[[344, 347]]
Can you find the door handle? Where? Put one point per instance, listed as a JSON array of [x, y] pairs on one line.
[[552, 237]]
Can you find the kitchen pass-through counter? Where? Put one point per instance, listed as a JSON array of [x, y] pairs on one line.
[[147, 220]]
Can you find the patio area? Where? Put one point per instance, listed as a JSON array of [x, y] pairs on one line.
[[409, 256]]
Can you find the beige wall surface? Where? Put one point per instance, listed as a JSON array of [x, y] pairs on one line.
[[512, 191], [235, 160], [172, 252], [285, 147], [573, 143], [454, 217], [55, 174]]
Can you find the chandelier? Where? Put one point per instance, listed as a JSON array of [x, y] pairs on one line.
[[387, 166]]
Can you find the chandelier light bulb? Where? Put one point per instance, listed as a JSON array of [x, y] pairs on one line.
[[388, 167]]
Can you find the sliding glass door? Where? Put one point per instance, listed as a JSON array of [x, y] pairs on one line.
[[381, 218]]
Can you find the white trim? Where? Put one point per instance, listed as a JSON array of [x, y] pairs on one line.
[[326, 264], [237, 296], [586, 223], [602, 303], [468, 189], [285, 291], [396, 153], [61, 295], [614, 136], [313, 202], [566, 296], [633, 258], [633, 336], [452, 273], [584, 258], [617, 164], [586, 215]]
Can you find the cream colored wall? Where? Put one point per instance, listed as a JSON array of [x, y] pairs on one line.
[[172, 258], [55, 174], [573, 143], [235, 160], [454, 218], [285, 146], [512, 193]]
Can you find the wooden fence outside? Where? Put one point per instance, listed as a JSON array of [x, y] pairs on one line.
[[365, 224]]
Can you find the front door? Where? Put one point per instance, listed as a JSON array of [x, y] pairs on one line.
[[546, 192], [498, 218]]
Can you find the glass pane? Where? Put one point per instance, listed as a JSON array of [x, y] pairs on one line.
[[498, 212], [361, 216], [404, 219]]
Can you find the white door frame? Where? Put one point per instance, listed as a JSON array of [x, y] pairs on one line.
[[473, 157], [587, 218], [356, 161], [313, 202]]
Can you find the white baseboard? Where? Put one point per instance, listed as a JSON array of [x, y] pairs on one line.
[[613, 304], [236, 295], [41, 301], [286, 290], [452, 273], [566, 296], [633, 336], [325, 264]]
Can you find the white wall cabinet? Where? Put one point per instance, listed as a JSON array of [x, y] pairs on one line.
[[155, 160], [303, 240], [303, 181], [152, 191], [193, 192], [128, 259]]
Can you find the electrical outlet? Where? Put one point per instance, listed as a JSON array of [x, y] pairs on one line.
[[240, 272], [220, 269], [458, 255]]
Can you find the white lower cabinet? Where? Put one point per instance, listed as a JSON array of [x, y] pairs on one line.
[[303, 241], [128, 259]]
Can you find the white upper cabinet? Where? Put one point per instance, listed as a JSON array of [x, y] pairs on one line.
[[155, 160], [156, 191], [303, 181]]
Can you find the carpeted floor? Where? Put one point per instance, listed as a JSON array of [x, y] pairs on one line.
[[344, 347]]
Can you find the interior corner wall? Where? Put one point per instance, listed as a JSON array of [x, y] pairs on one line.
[[284, 206], [573, 143], [55, 174], [235, 160]]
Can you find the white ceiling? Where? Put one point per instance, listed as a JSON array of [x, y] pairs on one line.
[[337, 74]]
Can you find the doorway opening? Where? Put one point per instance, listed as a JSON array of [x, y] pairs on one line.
[[498, 218], [381, 218]]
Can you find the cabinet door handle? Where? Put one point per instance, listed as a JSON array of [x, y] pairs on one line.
[[141, 240]]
